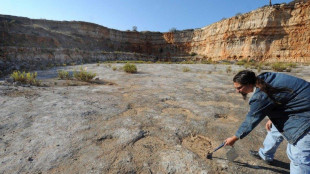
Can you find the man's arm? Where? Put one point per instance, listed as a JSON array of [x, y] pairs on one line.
[[258, 109]]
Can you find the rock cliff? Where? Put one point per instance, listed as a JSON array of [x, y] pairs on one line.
[[271, 33]]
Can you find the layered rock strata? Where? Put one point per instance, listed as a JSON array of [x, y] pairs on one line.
[[272, 33]]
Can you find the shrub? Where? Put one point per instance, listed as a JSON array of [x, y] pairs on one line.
[[228, 69], [186, 69], [292, 65], [280, 67], [50, 65], [193, 54], [42, 67], [114, 68], [83, 75], [134, 28], [246, 65], [130, 68], [64, 74], [25, 78], [241, 62], [208, 61], [187, 62], [173, 30], [226, 63], [238, 14], [259, 69]]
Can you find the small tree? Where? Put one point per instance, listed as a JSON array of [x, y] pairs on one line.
[[135, 28], [238, 14], [270, 4], [173, 29]]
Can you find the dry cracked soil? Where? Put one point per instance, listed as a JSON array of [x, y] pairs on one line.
[[159, 120]]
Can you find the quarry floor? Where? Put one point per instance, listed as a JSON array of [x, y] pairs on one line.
[[159, 120]]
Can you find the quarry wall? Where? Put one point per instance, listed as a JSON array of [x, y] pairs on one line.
[[271, 33]]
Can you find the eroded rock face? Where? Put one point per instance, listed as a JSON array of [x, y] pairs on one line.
[[272, 33]]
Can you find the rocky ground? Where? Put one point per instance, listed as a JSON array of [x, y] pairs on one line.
[[159, 120]]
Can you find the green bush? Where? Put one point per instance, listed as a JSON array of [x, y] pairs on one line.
[[64, 74], [187, 62], [134, 28], [228, 69], [226, 63], [259, 69], [252, 64], [208, 61], [128, 61], [292, 65], [114, 68], [130, 68], [50, 65], [173, 30], [280, 67], [83, 75], [241, 62], [238, 14], [186, 69], [247, 65], [193, 54], [26, 78]]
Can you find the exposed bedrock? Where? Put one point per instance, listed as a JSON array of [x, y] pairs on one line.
[[271, 33]]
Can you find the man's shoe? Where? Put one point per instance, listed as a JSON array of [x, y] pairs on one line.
[[256, 155]]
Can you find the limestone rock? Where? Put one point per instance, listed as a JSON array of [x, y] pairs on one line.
[[271, 33]]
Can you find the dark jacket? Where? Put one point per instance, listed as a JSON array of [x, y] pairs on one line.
[[289, 111]]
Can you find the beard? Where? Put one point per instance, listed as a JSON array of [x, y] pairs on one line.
[[244, 95]]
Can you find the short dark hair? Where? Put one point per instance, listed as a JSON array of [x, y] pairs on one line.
[[245, 77]]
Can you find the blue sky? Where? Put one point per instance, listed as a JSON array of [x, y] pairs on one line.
[[147, 15]]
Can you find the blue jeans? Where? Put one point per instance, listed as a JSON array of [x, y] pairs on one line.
[[299, 153], [271, 143]]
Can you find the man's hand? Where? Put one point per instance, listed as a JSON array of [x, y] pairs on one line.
[[268, 125], [231, 141]]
